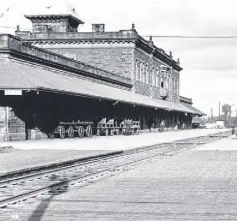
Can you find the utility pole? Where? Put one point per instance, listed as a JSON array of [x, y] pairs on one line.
[[211, 114], [219, 110]]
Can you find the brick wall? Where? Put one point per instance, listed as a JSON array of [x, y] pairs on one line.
[[115, 60], [123, 59], [142, 89], [3, 124], [148, 77], [16, 127], [142, 74]]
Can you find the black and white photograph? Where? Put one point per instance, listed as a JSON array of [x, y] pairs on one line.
[[118, 110]]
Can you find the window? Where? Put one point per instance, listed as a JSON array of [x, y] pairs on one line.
[[147, 74], [162, 84], [177, 86], [167, 82], [170, 82], [153, 77], [138, 71], [157, 77], [144, 74], [141, 72]]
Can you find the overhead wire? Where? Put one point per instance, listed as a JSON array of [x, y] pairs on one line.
[[192, 37], [160, 36]]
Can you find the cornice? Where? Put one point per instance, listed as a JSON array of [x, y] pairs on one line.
[[78, 41]]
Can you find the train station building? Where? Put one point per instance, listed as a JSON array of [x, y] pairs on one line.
[[56, 73]]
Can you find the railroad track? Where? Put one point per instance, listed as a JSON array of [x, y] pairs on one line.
[[23, 186]]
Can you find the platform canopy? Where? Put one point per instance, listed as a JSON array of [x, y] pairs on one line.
[[194, 109], [24, 76]]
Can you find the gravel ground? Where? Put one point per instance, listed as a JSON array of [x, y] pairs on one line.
[[198, 184]]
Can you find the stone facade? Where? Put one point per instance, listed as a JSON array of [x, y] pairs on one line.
[[157, 83], [148, 74], [116, 60], [3, 123], [11, 126], [151, 71], [120, 59], [16, 126]]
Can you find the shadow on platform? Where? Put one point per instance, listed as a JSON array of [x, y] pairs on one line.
[[42, 207]]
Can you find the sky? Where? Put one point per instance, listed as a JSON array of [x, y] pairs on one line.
[[209, 73]]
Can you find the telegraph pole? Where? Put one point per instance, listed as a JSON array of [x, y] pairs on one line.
[[219, 110], [211, 114]]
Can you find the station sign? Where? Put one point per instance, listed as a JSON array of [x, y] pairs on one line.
[[13, 92]]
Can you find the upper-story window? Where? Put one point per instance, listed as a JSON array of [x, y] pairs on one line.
[[177, 87], [162, 84], [170, 82], [157, 77], [153, 77], [138, 70], [141, 72], [167, 79], [144, 74], [147, 74], [163, 80]]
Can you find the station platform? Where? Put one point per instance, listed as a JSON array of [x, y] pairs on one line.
[[28, 154], [198, 184]]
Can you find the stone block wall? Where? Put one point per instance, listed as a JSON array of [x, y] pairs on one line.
[[148, 78], [126, 60], [116, 60], [142, 89], [16, 127], [3, 124]]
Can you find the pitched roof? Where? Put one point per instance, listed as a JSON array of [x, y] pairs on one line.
[[59, 7], [17, 75]]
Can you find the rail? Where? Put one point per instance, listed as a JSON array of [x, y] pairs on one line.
[[81, 173]]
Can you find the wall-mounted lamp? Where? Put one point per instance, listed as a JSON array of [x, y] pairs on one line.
[[115, 103]]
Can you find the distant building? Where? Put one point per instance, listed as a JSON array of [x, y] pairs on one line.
[[226, 110]]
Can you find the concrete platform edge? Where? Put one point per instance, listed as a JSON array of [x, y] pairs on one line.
[[57, 164], [62, 163]]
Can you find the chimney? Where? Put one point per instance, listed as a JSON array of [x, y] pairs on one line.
[[178, 61], [171, 54], [98, 27], [151, 42]]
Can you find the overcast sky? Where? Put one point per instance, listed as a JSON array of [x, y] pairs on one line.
[[210, 65]]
